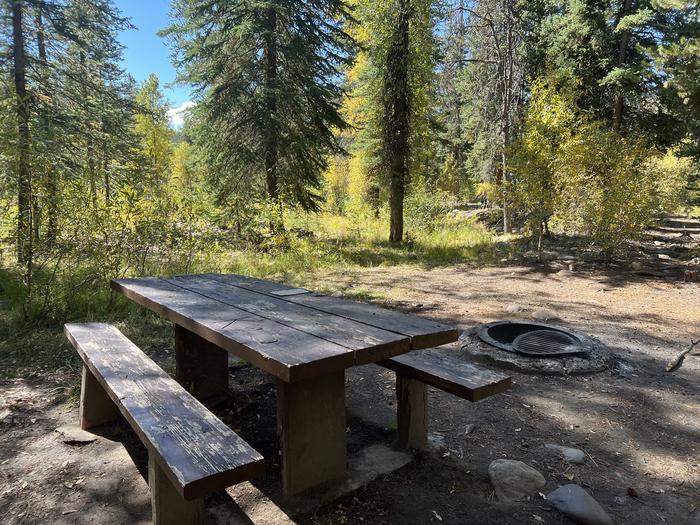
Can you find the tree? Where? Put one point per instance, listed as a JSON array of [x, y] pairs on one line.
[[493, 89], [24, 176], [450, 100], [392, 90], [72, 105], [677, 53], [397, 107], [268, 87], [153, 130]]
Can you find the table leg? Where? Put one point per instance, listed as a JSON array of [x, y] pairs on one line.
[[167, 505], [311, 423], [96, 407], [201, 366], [412, 413]]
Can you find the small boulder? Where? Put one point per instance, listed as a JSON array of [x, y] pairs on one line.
[[72, 435], [636, 265], [544, 315], [514, 480], [570, 455], [514, 308], [578, 505]]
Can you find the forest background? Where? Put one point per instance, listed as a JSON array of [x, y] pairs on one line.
[[329, 134]]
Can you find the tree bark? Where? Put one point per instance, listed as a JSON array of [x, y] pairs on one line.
[[619, 102], [271, 131], [24, 177], [507, 81], [397, 118], [49, 173]]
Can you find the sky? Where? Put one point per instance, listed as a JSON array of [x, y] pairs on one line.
[[145, 52]]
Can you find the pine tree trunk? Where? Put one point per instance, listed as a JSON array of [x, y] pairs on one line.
[[49, 174], [619, 102], [507, 72], [396, 142], [24, 178], [271, 131]]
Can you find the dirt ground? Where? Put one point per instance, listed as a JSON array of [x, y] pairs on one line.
[[640, 426]]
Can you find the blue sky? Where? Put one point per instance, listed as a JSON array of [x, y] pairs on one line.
[[145, 52]]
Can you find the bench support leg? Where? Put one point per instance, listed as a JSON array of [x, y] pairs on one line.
[[96, 408], [412, 413], [311, 424], [168, 506], [201, 366]]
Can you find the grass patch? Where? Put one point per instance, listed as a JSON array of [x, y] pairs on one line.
[[29, 348]]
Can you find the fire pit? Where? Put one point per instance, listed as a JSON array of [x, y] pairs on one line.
[[536, 348], [537, 340]]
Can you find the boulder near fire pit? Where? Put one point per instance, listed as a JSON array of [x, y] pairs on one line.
[[536, 348]]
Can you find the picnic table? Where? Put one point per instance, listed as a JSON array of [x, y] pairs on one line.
[[306, 340]]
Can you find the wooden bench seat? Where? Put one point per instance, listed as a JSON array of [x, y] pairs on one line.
[[191, 452], [417, 369]]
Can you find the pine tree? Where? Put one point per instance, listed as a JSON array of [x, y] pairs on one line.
[[392, 99], [268, 91], [493, 87], [450, 100]]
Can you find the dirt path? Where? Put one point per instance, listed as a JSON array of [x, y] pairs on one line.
[[641, 429]]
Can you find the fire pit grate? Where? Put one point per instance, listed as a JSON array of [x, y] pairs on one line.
[[547, 343], [534, 340]]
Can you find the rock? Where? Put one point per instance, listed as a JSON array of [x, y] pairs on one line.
[[636, 265], [514, 480], [73, 435], [578, 505], [565, 273], [5, 414], [437, 442], [570, 455], [514, 308], [544, 315]]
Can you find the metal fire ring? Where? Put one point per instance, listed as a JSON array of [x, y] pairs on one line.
[[534, 339]]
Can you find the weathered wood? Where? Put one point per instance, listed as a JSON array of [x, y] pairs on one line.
[[96, 408], [284, 352], [167, 504], [412, 413], [201, 366], [423, 333], [449, 374], [369, 342], [197, 451], [311, 423]]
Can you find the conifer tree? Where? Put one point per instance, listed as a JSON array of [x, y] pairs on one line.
[[268, 91]]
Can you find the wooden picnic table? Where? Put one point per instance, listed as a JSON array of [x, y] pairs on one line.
[[306, 340]]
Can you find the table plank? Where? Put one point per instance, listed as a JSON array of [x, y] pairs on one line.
[[423, 333], [282, 351], [369, 343]]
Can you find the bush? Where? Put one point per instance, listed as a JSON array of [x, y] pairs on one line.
[[424, 207], [586, 178]]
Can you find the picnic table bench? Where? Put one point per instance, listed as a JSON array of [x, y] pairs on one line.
[[306, 341], [190, 451]]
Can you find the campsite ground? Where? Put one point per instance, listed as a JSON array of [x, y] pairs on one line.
[[639, 425]]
